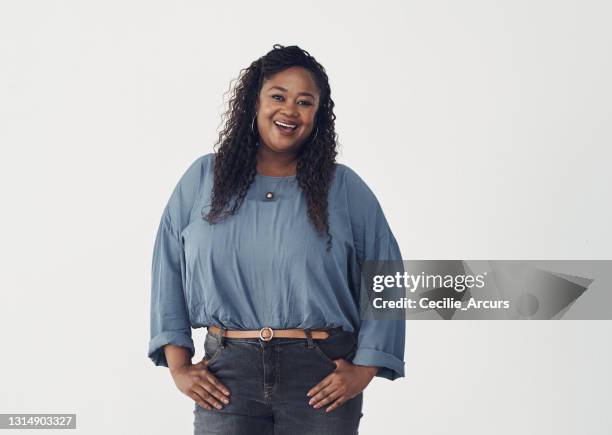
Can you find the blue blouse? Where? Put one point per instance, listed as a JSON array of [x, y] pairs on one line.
[[267, 266]]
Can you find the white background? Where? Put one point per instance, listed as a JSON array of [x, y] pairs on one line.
[[483, 127]]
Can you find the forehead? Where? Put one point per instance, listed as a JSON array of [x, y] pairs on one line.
[[295, 79]]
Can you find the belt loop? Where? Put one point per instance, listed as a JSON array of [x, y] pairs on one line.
[[221, 336], [310, 344]]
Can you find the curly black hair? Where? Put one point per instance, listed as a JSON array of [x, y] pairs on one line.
[[235, 159]]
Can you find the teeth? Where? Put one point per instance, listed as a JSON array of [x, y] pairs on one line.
[[285, 125]]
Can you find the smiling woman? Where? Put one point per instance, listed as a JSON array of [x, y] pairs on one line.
[[262, 242], [286, 111], [288, 86]]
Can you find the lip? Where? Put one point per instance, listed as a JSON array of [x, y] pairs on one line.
[[284, 121], [283, 132]]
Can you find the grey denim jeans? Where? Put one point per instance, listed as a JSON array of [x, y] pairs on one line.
[[268, 382]]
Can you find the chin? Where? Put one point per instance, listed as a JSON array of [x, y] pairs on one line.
[[283, 146]]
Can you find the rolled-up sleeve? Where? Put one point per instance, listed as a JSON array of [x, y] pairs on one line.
[[169, 318], [169, 321], [380, 342]]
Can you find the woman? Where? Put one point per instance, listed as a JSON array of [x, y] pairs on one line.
[[262, 243]]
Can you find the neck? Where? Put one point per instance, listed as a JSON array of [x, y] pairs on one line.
[[276, 164]]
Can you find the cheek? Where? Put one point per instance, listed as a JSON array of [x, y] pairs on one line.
[[310, 118], [309, 125], [263, 119], [264, 115]]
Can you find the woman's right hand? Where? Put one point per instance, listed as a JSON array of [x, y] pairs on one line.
[[202, 386]]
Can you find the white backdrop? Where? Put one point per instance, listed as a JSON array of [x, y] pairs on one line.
[[483, 128]]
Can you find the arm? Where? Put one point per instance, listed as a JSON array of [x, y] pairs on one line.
[[177, 357], [169, 319], [171, 343], [380, 343]]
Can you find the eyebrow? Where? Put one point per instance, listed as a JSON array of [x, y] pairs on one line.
[[285, 90]]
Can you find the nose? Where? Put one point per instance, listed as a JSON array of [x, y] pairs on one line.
[[290, 109]]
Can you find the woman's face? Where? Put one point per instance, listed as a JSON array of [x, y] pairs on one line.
[[289, 97]]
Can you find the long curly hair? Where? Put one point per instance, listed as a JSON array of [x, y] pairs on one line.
[[235, 158]]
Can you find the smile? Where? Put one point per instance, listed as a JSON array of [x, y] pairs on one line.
[[285, 128]]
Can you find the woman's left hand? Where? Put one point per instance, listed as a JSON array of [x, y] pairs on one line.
[[344, 383]]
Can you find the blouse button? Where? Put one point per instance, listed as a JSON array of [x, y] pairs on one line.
[[269, 195]]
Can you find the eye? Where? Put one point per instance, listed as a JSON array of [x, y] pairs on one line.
[[278, 97]]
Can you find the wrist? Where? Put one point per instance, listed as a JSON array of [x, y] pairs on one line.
[[370, 370], [179, 368]]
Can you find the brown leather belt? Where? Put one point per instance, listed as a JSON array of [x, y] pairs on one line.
[[267, 333]]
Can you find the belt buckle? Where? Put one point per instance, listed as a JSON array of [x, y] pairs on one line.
[[261, 337]]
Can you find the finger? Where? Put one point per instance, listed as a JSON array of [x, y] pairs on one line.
[[324, 383], [339, 401], [196, 398], [330, 397], [218, 394], [207, 396], [322, 394], [208, 376]]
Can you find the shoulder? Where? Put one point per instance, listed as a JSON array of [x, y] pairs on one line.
[[365, 215], [195, 173], [188, 188], [199, 166], [353, 185]]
